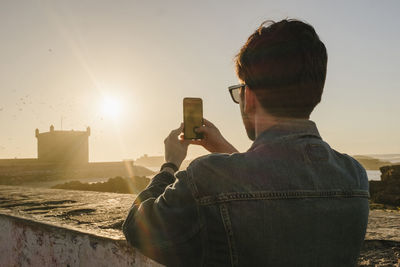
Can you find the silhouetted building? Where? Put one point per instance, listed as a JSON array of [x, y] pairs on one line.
[[63, 147]]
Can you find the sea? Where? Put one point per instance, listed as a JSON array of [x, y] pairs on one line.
[[374, 175]]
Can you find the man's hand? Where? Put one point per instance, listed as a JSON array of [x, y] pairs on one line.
[[175, 148], [213, 140]]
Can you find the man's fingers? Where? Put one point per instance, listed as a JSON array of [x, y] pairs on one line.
[[184, 142], [177, 131], [180, 128], [195, 142], [202, 129], [208, 123]]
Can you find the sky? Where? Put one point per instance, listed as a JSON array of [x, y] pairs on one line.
[[123, 68]]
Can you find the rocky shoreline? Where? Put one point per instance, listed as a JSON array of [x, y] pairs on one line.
[[387, 191]]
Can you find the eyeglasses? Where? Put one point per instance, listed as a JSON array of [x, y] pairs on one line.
[[235, 92]]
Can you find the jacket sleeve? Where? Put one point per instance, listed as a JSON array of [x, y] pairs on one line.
[[163, 222]]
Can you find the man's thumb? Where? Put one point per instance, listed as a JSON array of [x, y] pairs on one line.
[[201, 129]]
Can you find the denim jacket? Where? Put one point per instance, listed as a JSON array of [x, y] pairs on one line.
[[290, 200]]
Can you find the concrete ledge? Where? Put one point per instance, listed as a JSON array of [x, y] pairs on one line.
[[50, 227], [100, 214], [28, 243]]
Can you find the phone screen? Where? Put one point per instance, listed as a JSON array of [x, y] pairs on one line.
[[192, 117]]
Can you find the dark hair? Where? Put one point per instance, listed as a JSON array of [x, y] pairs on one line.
[[284, 63]]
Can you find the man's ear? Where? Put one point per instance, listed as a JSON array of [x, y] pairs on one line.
[[249, 101]]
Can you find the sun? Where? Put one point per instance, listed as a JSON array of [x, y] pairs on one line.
[[111, 107]]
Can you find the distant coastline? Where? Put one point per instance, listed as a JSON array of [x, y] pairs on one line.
[[374, 162]]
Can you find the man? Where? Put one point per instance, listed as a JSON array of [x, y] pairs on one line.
[[290, 200]]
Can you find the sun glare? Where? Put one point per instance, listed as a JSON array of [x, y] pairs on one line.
[[111, 107]]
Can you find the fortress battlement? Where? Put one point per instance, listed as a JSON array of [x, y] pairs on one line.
[[69, 147]]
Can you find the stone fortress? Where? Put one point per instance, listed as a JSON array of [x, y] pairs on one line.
[[63, 155], [58, 148], [68, 147]]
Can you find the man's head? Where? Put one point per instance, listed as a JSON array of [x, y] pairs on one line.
[[284, 64]]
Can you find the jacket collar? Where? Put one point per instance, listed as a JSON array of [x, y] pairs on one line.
[[286, 128]]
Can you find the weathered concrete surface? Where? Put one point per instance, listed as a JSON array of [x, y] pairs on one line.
[[54, 227], [383, 225], [27, 243], [102, 214], [65, 224], [97, 213]]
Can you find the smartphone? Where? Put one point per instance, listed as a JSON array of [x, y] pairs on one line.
[[192, 117]]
